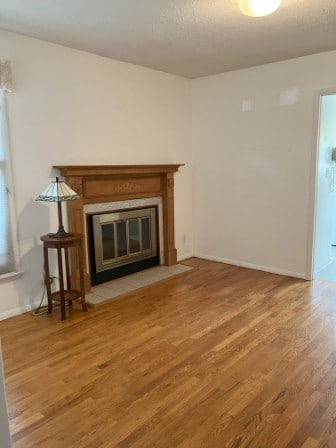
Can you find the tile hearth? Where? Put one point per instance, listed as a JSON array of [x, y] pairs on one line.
[[114, 289]]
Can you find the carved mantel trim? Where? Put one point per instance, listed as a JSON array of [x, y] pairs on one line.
[[109, 183]]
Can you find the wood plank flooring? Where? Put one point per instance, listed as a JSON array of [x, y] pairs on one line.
[[220, 357]]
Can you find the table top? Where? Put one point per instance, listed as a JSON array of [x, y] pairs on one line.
[[64, 241]]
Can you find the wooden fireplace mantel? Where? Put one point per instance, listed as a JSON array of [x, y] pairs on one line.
[[109, 183]]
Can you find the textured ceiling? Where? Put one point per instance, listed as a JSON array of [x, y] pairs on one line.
[[191, 38]]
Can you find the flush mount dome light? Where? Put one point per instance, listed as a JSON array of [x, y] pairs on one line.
[[258, 8]]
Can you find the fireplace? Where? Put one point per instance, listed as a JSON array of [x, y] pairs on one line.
[[109, 188], [122, 242]]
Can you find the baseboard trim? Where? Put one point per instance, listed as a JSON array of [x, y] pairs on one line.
[[30, 307], [257, 267], [323, 266], [19, 310], [184, 257]]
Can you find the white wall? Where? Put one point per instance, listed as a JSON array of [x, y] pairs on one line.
[[252, 169], [326, 198], [72, 107]]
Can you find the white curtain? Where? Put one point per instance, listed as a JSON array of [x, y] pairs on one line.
[[8, 240]]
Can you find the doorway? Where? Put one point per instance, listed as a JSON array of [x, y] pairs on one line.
[[324, 265]]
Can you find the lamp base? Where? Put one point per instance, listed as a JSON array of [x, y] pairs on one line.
[[60, 234]]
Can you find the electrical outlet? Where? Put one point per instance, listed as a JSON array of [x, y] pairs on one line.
[[52, 279]]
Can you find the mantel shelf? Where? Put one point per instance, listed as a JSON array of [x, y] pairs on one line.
[[103, 170]]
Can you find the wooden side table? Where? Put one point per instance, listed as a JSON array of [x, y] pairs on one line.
[[64, 294]]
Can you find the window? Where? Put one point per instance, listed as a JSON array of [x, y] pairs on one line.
[[8, 240]]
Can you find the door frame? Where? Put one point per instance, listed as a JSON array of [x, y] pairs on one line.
[[312, 206]]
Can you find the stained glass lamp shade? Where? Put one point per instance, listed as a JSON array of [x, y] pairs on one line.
[[58, 191]]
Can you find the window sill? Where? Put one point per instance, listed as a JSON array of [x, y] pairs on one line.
[[11, 275]]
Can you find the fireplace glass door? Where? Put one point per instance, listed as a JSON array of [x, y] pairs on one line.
[[124, 237]]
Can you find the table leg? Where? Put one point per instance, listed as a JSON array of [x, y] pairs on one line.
[[47, 277], [67, 271], [81, 276], [61, 280]]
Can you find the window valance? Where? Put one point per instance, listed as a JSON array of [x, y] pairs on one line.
[[5, 75]]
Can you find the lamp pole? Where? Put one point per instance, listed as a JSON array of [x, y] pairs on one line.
[[61, 232]]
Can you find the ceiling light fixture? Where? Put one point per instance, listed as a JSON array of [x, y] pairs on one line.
[[258, 8]]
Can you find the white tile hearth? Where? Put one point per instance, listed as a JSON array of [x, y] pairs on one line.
[[114, 289]]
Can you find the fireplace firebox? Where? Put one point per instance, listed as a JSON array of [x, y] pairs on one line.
[[122, 242]]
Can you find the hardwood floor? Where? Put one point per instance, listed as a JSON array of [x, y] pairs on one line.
[[220, 357]]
